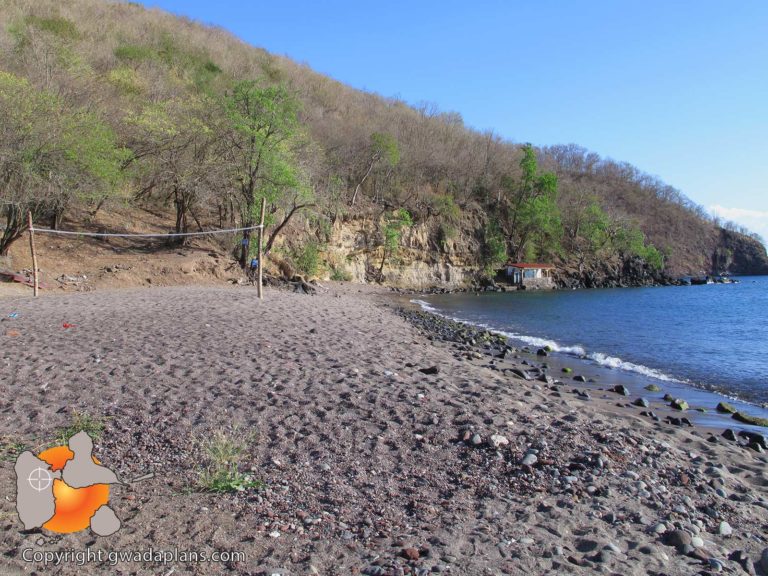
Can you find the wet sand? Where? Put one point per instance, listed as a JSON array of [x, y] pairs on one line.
[[369, 465]]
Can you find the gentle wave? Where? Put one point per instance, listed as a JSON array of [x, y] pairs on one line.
[[578, 351]]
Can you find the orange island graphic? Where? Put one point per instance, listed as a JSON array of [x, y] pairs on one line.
[[65, 489]]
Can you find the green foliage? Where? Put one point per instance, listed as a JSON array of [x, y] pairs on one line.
[[537, 226], [224, 453], [595, 227], [494, 253], [52, 153], [338, 274], [384, 146], [135, 53], [81, 422], [10, 448], [264, 132], [55, 25], [445, 207], [126, 80], [631, 242], [306, 259], [394, 224]]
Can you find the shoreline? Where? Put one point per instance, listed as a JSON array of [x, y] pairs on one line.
[[383, 450], [636, 376], [585, 374]]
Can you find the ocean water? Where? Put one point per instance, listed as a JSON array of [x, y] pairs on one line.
[[712, 337]]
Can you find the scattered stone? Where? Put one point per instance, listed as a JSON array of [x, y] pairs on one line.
[[620, 389], [567, 370], [764, 560], [725, 408], [642, 402], [410, 553], [542, 352], [476, 440], [430, 370], [678, 538], [679, 404], [579, 378], [660, 528], [497, 440], [715, 564], [724, 529], [754, 437], [697, 542], [749, 419], [529, 460], [729, 434], [653, 388]]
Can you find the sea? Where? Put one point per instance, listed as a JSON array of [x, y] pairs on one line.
[[705, 342]]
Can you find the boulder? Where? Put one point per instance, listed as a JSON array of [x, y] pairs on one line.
[[679, 404], [749, 419], [725, 408]]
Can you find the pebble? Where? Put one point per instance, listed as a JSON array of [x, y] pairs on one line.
[[678, 538], [612, 547], [526, 541], [530, 459], [497, 440], [697, 542], [660, 528], [476, 440], [725, 529], [715, 564]]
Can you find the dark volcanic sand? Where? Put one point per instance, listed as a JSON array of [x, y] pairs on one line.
[[361, 453]]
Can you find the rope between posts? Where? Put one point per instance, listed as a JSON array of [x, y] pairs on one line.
[[169, 235]]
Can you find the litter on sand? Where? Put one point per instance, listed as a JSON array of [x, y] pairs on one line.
[[67, 325], [13, 315]]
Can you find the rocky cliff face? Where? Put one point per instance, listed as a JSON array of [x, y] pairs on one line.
[[423, 262], [420, 262], [739, 254]]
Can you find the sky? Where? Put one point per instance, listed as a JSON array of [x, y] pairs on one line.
[[677, 88]]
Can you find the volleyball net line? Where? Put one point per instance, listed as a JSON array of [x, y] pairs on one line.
[[155, 235]]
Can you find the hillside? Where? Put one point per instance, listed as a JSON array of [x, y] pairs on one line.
[[109, 107]]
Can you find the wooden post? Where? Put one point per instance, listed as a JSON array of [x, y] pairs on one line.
[[34, 253], [261, 238]]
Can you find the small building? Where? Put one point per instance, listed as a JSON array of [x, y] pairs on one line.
[[529, 275]]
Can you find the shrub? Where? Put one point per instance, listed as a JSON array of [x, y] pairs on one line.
[[340, 275], [81, 422], [56, 25], [135, 53], [224, 452], [306, 259]]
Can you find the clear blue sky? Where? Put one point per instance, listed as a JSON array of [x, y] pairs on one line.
[[677, 88]]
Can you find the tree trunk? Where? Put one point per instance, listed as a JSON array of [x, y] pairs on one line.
[[357, 188], [282, 225]]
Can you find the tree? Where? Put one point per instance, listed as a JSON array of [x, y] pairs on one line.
[[535, 215], [177, 143], [262, 134], [382, 148], [50, 155], [392, 231]]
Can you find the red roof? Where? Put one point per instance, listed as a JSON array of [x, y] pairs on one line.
[[528, 265]]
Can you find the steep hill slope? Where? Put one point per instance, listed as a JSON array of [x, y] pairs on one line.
[[360, 186]]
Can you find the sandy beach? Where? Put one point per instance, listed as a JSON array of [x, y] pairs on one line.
[[381, 448]]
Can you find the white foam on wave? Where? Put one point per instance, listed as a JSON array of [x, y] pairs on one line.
[[613, 362], [579, 351]]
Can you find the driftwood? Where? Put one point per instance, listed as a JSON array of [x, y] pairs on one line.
[[301, 285]]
